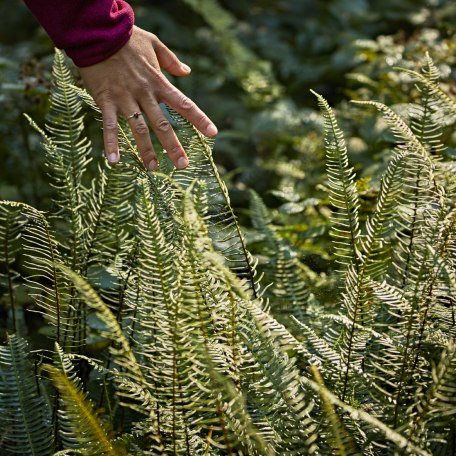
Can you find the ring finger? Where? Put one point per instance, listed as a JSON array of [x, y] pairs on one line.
[[141, 134]]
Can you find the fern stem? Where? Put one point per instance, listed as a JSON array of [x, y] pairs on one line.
[[203, 330], [9, 272], [359, 282], [404, 364]]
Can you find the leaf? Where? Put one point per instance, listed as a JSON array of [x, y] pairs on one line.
[[25, 416], [88, 433]]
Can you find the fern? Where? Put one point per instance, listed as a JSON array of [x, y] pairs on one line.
[[47, 286], [289, 293], [343, 194], [25, 414], [83, 427], [9, 236], [223, 224], [159, 316], [338, 437], [67, 156], [434, 415]]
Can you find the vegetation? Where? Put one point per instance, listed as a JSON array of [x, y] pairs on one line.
[[297, 300], [158, 353]]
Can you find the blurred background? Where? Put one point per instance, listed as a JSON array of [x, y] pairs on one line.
[[254, 63]]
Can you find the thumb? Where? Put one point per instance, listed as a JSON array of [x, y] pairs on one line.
[[168, 60]]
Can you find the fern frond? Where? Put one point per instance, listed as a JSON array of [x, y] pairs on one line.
[[25, 416], [47, 286], [357, 414], [338, 437], [9, 249], [269, 374], [113, 331], [68, 156], [426, 118], [444, 99], [198, 325], [222, 222], [129, 375], [342, 189], [435, 414], [396, 364], [84, 428], [151, 305], [399, 127], [376, 242], [288, 292]]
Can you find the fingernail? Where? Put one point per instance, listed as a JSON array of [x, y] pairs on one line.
[[182, 163], [186, 68], [211, 130], [112, 158], [153, 165]]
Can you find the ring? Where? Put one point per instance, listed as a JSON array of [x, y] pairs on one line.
[[135, 115]]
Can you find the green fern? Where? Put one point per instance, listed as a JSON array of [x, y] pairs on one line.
[[288, 291], [25, 415], [83, 427], [222, 223], [343, 194], [9, 237], [338, 437], [159, 317]]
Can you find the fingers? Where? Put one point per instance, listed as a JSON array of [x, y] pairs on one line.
[[165, 134], [141, 134], [188, 109], [160, 125], [168, 60], [111, 146]]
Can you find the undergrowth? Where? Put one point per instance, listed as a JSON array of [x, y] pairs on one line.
[[164, 339]]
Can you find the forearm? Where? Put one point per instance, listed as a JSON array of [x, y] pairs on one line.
[[89, 31]]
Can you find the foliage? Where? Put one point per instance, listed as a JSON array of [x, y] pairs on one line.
[[166, 340]]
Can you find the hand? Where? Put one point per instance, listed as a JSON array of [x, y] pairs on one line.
[[131, 81]]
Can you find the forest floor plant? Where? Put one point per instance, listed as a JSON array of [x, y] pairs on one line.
[[165, 340]]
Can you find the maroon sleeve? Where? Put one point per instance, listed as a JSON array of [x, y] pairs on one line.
[[88, 30]]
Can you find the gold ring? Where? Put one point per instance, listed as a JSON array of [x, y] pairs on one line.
[[135, 115]]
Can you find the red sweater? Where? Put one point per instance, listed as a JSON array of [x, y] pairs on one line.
[[88, 30]]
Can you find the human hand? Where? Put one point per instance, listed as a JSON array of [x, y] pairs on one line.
[[131, 81]]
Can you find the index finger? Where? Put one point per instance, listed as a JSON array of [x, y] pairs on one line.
[[188, 109]]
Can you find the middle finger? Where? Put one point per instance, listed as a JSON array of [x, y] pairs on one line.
[[165, 134]]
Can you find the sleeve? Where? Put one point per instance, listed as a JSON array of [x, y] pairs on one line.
[[88, 30]]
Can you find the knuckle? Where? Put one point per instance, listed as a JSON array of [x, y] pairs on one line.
[[103, 98], [203, 120], [163, 125], [110, 125], [141, 128], [143, 86], [175, 151], [139, 88], [185, 102], [157, 76], [147, 153]]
